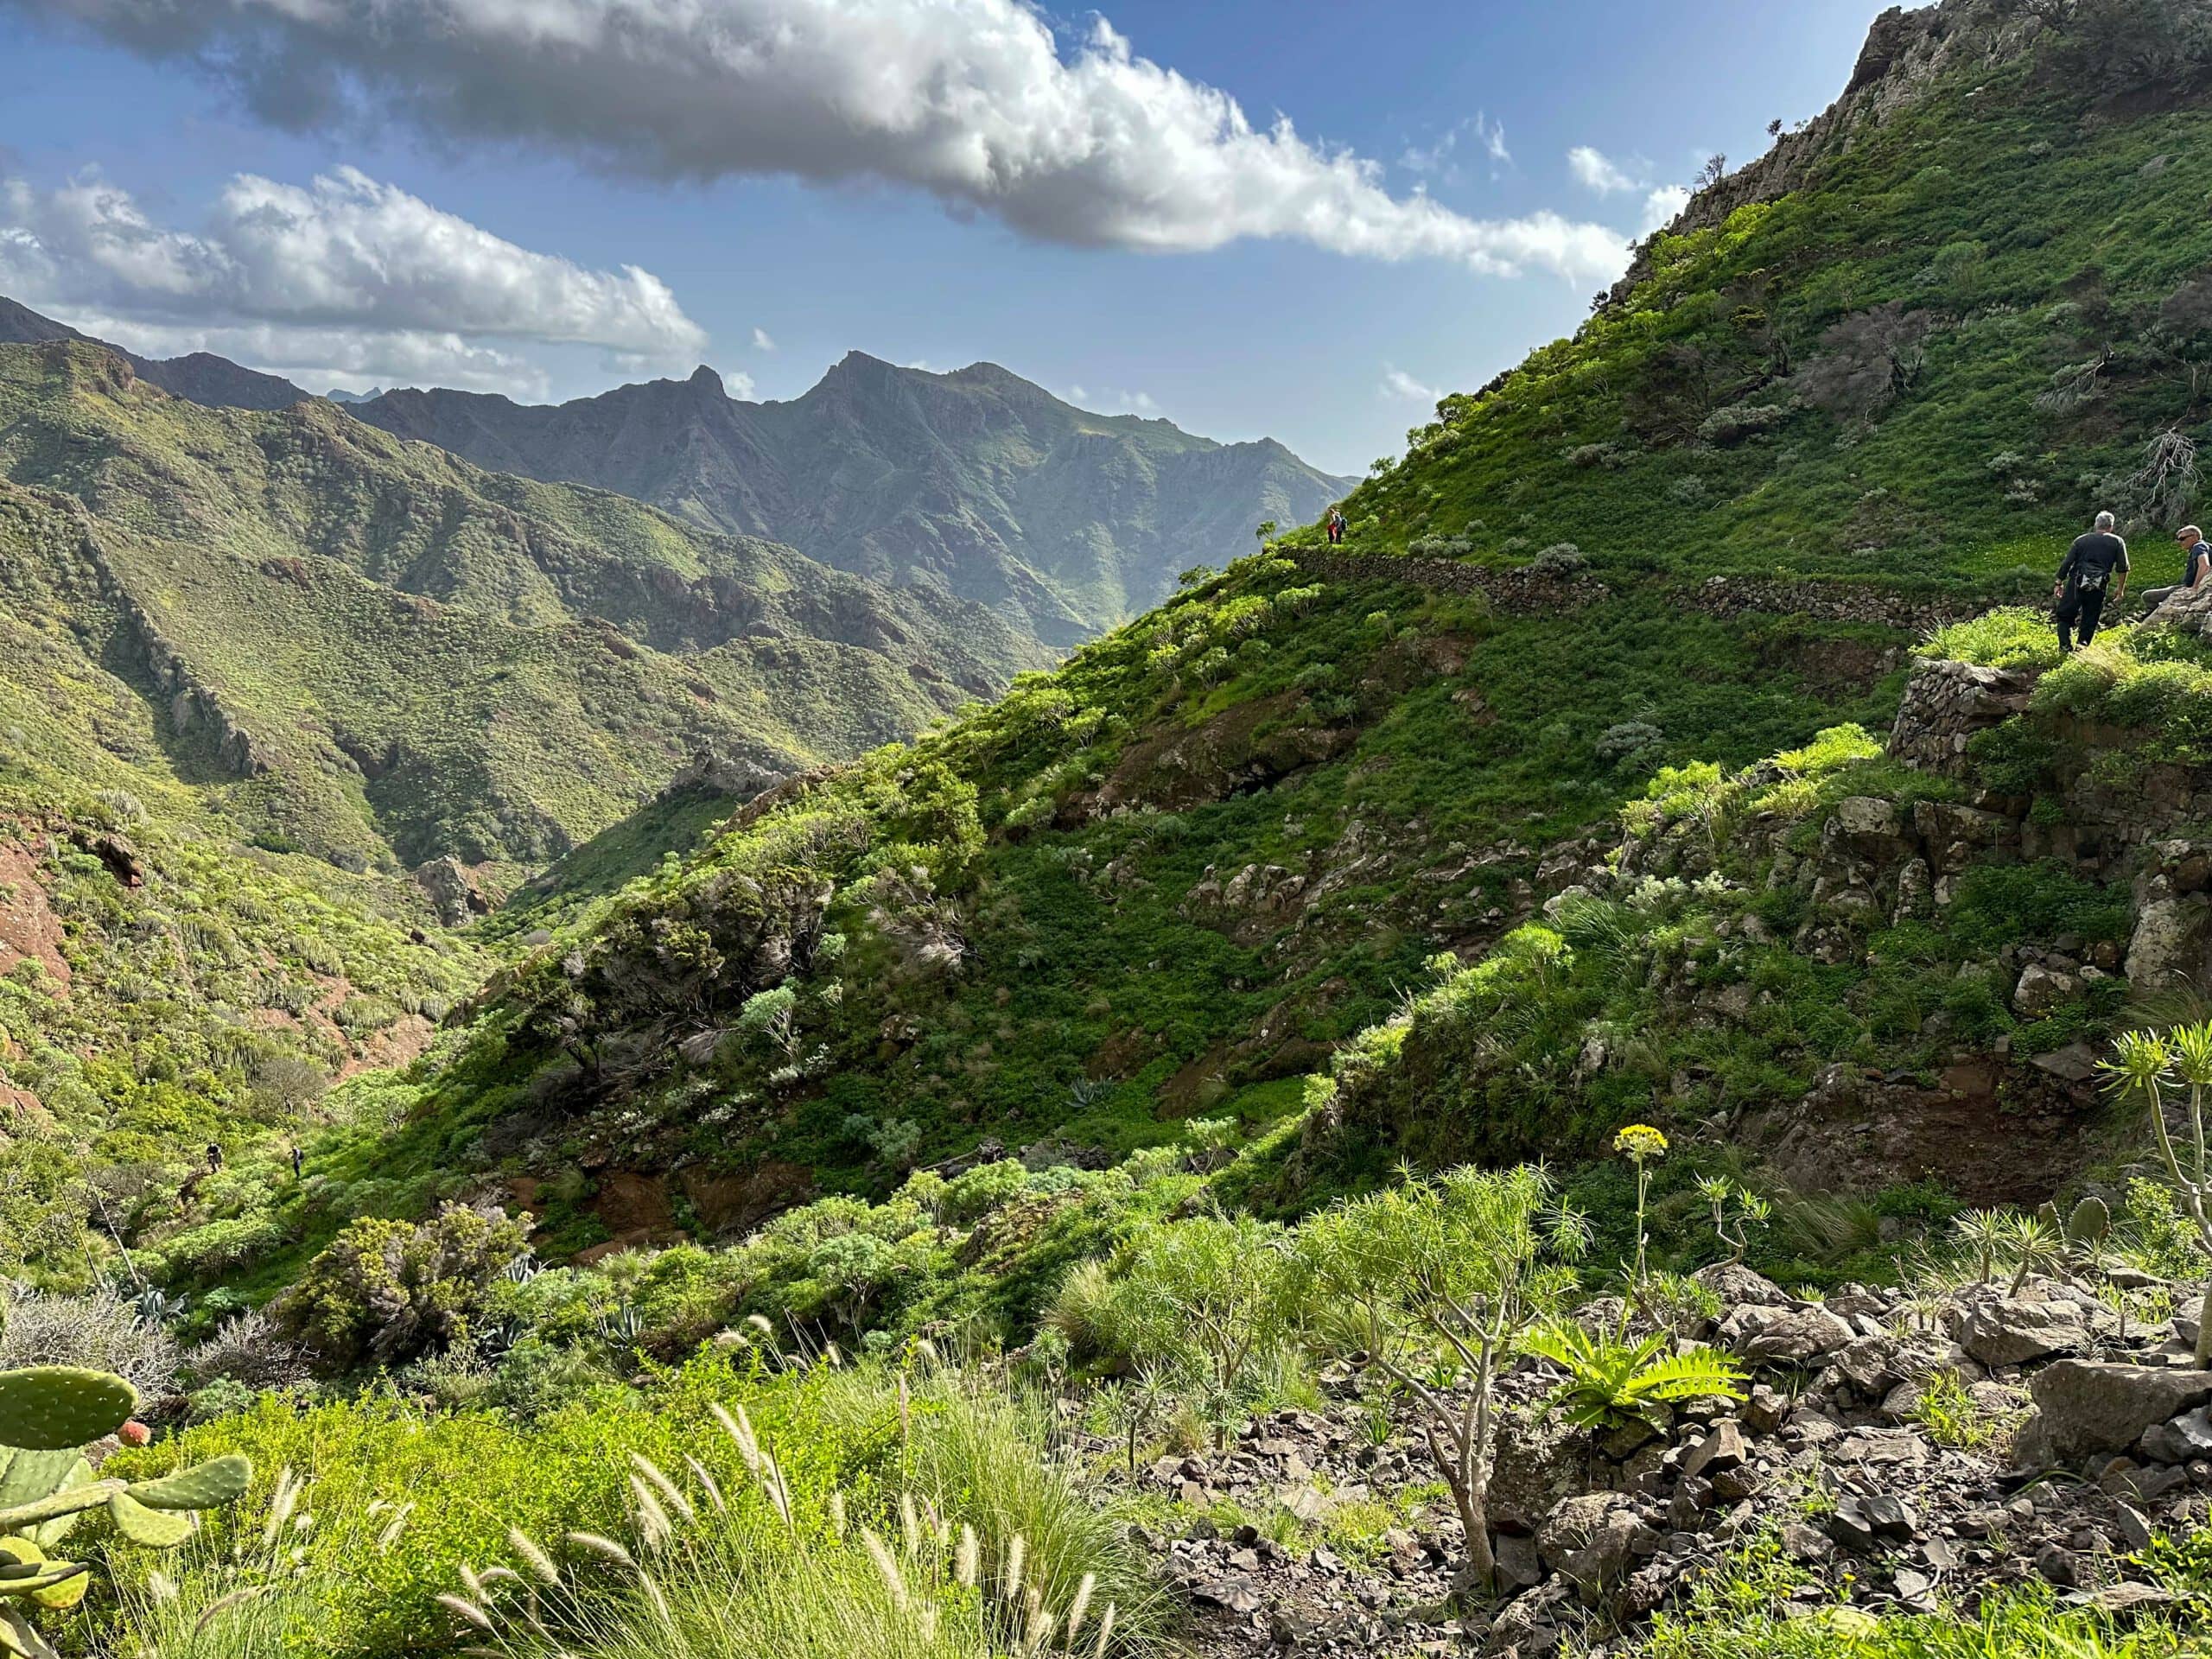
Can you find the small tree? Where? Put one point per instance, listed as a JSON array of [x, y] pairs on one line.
[[1212, 1297], [773, 1014], [2154, 1067], [1457, 1267], [1266, 528]]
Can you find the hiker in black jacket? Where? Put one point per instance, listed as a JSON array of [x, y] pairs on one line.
[[2092, 574]]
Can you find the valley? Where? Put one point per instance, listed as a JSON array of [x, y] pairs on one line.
[[862, 1024]]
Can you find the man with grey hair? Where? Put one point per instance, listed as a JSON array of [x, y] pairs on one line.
[[2095, 563]]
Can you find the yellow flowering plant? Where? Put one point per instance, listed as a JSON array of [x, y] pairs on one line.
[[1643, 1146]]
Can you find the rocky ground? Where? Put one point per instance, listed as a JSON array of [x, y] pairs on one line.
[[2092, 1442]]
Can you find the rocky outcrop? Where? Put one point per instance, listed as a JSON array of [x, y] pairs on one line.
[[1594, 1531], [717, 773], [454, 890], [1946, 703], [1909, 52]]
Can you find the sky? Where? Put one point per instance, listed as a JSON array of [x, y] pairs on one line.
[[1292, 220]]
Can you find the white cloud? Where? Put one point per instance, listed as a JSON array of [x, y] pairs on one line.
[[740, 385], [1106, 401], [974, 101], [344, 276], [1438, 159], [1662, 204], [1594, 170], [314, 358], [1397, 383], [761, 342]]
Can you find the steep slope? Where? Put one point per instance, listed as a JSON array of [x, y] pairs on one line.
[[379, 654], [1176, 877], [975, 484], [164, 986]]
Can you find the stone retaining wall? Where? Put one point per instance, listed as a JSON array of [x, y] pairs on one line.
[[1518, 593]]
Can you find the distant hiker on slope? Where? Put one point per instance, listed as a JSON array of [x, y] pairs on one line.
[[2096, 562], [1336, 528], [2196, 565]]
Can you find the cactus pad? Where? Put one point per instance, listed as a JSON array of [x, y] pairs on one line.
[[29, 1476], [2090, 1222], [58, 1408], [26, 1477], [156, 1528], [204, 1486], [27, 1570]]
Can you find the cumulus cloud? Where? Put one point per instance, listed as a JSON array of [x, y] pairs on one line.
[[974, 101], [1397, 383], [761, 342], [1662, 204], [1594, 170], [344, 274]]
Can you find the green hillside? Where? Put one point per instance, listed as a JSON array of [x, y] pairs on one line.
[[1529, 1085], [256, 667], [396, 658], [1169, 879]]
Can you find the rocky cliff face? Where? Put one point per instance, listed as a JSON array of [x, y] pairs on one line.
[[975, 484]]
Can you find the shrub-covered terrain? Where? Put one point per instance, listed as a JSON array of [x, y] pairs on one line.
[[1578, 1075]]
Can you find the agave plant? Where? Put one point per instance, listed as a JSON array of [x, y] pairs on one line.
[[1611, 1383]]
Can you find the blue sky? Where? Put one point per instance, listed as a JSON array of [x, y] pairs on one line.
[[545, 225]]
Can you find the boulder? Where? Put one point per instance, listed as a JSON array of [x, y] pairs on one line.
[[1736, 1286], [1721, 1450], [1573, 1523], [1998, 1330], [1783, 1335], [2085, 1407], [2169, 947], [1541, 1459], [2185, 1440], [2040, 990]]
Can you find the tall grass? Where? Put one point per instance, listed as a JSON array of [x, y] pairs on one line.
[[968, 1538]]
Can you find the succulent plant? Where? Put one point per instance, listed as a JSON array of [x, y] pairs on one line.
[[48, 1414], [2082, 1229]]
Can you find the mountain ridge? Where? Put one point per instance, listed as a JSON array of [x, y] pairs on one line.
[[975, 481], [272, 569]]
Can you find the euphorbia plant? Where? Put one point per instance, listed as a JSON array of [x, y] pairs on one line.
[[1460, 1265]]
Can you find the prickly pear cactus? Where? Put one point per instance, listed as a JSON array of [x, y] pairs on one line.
[[2090, 1224], [47, 1485], [59, 1407]]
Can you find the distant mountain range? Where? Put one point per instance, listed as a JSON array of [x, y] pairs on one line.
[[373, 651], [977, 483]]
